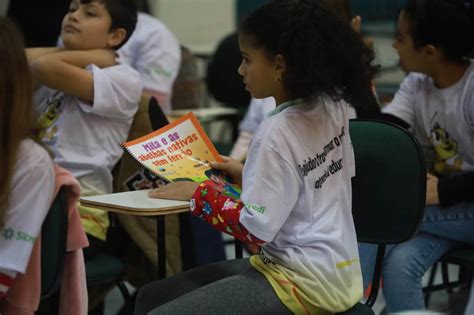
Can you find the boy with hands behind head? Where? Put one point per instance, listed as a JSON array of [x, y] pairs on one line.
[[85, 99]]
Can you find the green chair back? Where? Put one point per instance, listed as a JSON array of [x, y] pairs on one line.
[[388, 191], [389, 187], [53, 245]]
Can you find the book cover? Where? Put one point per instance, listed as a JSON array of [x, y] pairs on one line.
[[178, 151]]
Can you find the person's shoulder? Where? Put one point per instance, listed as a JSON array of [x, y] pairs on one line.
[[120, 71], [33, 155]]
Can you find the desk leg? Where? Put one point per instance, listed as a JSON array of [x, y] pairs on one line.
[[238, 249], [161, 246]]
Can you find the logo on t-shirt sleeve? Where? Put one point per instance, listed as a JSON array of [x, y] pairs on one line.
[[256, 208]]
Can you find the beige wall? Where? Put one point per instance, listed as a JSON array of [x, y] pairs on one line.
[[198, 24]]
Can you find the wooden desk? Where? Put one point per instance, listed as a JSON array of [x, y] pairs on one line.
[[138, 203]]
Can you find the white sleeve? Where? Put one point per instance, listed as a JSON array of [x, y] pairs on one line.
[[158, 62], [117, 91], [404, 101], [32, 190], [269, 194], [256, 113]]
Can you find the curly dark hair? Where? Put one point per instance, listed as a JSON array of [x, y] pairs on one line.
[[323, 55], [445, 24]]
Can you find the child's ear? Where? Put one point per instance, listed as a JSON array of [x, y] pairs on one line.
[[431, 51], [280, 65], [116, 37]]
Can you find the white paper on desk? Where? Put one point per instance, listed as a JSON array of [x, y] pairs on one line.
[[137, 200]]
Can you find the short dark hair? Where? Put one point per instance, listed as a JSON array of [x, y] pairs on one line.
[[446, 24], [323, 55], [123, 14]]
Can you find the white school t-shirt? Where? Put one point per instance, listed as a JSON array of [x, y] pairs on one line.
[[31, 195], [441, 119], [84, 137], [297, 197], [154, 51]]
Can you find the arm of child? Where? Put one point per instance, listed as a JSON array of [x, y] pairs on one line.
[[232, 168], [6, 280], [241, 146], [65, 70], [210, 204], [34, 53], [221, 212]]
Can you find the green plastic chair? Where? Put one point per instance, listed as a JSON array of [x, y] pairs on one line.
[[53, 246], [103, 268], [388, 191]]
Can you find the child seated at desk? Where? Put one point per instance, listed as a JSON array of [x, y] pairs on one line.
[[296, 196], [435, 101], [86, 101]]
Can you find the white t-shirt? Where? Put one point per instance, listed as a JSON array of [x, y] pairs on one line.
[[31, 195], [155, 53], [84, 137], [258, 110], [441, 119], [297, 194]]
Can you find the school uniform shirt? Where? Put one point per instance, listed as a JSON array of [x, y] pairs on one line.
[[32, 190], [85, 137], [441, 119], [155, 53], [297, 198]]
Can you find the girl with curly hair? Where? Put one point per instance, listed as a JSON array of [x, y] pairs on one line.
[[296, 196]]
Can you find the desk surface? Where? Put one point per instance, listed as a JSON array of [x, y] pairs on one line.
[[135, 203]]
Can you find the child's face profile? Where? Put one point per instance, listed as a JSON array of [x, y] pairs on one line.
[[260, 74], [411, 59], [87, 26]]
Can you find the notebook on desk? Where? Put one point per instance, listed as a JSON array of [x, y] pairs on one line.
[[135, 202]]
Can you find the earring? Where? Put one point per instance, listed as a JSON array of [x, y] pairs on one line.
[[278, 79]]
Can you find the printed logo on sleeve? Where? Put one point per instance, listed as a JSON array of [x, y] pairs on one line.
[[256, 208], [10, 234]]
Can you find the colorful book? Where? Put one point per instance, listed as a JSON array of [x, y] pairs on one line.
[[179, 151]]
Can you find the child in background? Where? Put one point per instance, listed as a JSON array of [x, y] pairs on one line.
[[26, 169], [436, 102], [86, 101], [155, 53], [296, 198]]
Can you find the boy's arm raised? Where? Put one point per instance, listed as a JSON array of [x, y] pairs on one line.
[[34, 53], [65, 70]]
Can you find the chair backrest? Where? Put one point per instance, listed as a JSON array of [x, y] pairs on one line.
[[53, 245], [158, 118], [389, 187], [128, 174]]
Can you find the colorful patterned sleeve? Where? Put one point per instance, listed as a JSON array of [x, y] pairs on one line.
[[217, 206]]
